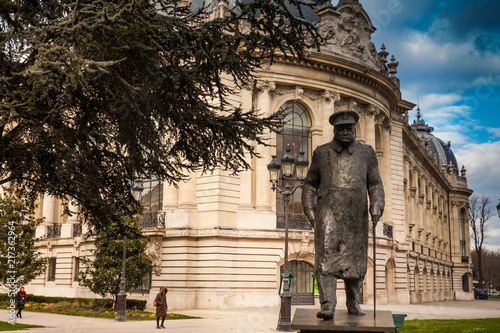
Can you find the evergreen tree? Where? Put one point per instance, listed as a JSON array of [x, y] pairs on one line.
[[97, 93], [102, 273], [20, 261]]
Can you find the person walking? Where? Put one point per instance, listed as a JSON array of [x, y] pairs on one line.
[[20, 301], [161, 307]]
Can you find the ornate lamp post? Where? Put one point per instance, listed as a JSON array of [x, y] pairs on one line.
[[286, 168], [121, 298]]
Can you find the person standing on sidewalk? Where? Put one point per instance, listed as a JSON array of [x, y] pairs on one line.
[[161, 307], [20, 301]]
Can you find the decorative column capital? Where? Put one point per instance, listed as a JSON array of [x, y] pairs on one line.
[[265, 85], [372, 110], [387, 124], [346, 104], [330, 95]]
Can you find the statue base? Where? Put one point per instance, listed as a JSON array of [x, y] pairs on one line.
[[305, 321]]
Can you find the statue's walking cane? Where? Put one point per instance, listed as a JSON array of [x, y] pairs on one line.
[[374, 272]]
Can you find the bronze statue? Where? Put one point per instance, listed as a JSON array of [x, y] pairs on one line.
[[335, 202]]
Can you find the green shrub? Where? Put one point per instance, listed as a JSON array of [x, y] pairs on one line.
[[72, 302]]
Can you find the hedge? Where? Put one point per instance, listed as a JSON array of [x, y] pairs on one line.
[[97, 303]]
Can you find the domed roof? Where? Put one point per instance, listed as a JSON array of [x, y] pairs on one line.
[[438, 147]]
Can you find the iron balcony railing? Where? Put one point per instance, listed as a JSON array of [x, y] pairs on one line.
[[153, 220], [77, 229], [54, 231]]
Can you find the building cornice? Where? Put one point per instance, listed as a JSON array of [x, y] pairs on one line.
[[365, 75]]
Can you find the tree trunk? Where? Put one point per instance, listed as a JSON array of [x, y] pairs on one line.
[[480, 268]]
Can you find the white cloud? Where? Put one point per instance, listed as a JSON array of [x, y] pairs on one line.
[[456, 138], [456, 115], [434, 100], [492, 241], [421, 45], [494, 131], [482, 162], [444, 65], [450, 122]]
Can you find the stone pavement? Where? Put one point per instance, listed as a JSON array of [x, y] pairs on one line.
[[244, 320]]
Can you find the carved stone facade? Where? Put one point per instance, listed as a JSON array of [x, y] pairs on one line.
[[220, 247]]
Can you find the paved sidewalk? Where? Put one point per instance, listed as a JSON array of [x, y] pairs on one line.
[[244, 320]]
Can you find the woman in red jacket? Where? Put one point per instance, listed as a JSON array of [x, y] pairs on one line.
[[20, 301]]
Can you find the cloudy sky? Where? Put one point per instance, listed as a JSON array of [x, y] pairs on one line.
[[449, 62]]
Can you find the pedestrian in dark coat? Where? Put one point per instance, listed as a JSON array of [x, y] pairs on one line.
[[334, 199], [161, 307], [20, 301]]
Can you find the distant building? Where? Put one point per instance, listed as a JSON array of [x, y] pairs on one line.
[[218, 240]]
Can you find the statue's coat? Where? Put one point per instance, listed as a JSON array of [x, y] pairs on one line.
[[336, 188]]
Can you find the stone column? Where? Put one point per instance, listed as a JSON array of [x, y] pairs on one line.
[[170, 196], [71, 222], [74, 210], [49, 203], [187, 192], [327, 107], [371, 112], [412, 277], [420, 292], [385, 128], [170, 203], [262, 185], [47, 211], [185, 216], [246, 188]]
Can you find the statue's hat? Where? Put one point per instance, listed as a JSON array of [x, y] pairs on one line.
[[344, 117]]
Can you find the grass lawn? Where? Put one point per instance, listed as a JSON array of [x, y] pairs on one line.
[[5, 326], [110, 314], [490, 325]]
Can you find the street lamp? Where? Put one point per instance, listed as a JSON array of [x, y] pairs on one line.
[[498, 209], [286, 168], [121, 298]]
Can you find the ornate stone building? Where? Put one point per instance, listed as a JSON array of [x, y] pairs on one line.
[[218, 240]]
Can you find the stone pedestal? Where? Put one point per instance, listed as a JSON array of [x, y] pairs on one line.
[[305, 321]]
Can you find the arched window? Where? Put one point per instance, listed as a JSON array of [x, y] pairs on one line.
[[461, 221], [465, 283], [152, 201], [302, 283], [152, 195], [296, 135]]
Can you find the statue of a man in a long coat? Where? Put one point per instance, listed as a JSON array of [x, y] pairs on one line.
[[335, 201]]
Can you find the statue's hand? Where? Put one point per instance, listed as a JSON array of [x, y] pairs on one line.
[[310, 215], [376, 213]]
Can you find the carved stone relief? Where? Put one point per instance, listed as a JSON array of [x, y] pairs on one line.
[[329, 95], [305, 245], [348, 30], [153, 252], [346, 104]]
